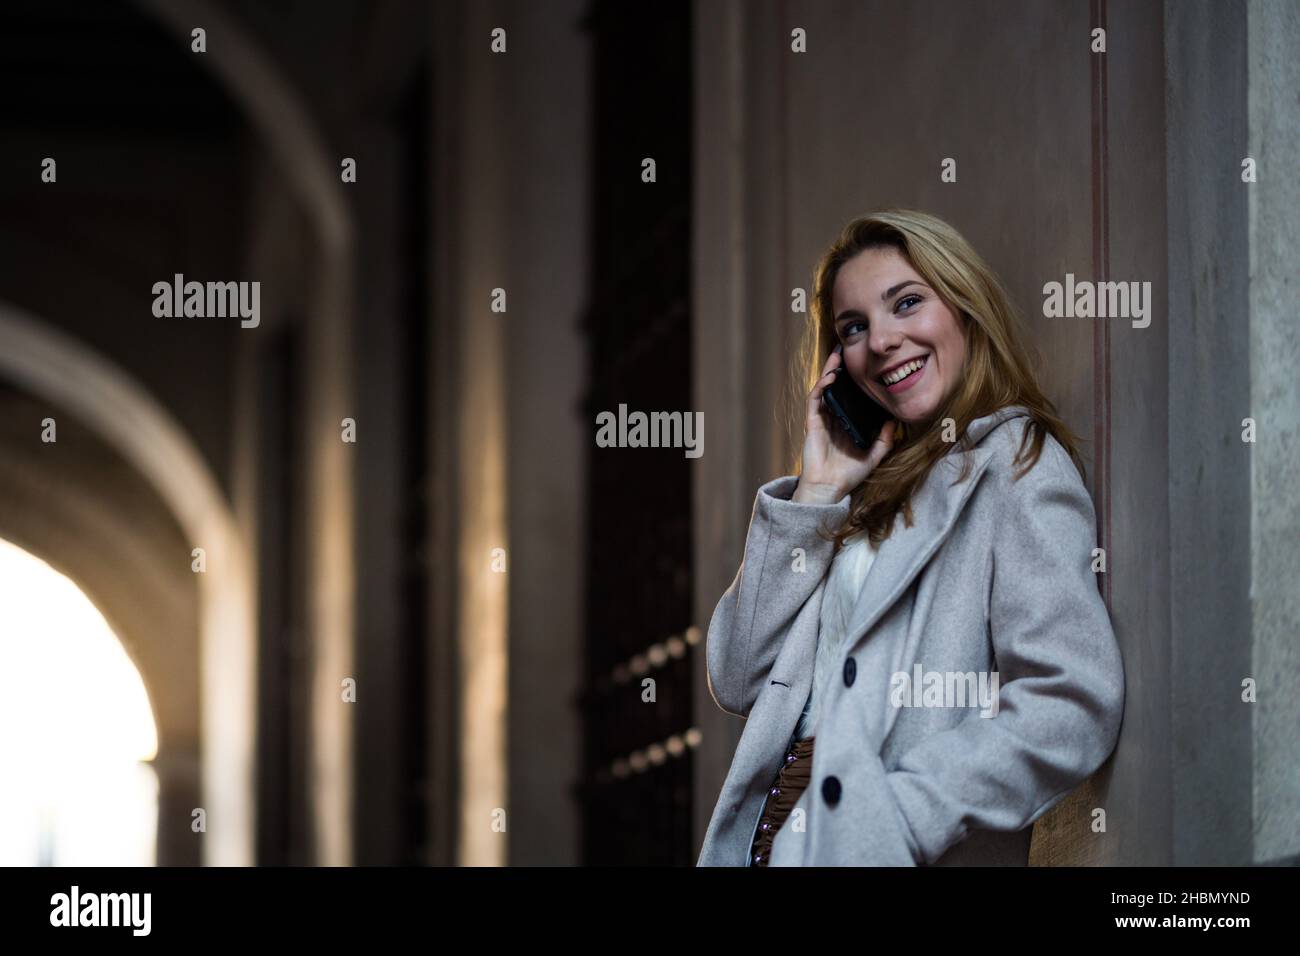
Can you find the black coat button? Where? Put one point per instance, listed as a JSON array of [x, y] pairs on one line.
[[831, 790], [850, 672]]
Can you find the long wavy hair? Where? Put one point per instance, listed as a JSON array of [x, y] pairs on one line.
[[997, 372]]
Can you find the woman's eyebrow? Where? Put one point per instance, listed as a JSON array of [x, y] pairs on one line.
[[902, 285]]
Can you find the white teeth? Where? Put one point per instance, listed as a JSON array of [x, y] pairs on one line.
[[900, 373]]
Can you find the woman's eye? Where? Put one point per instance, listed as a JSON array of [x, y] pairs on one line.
[[907, 298], [848, 329]]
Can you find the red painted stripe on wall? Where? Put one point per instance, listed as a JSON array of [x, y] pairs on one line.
[[1101, 272]]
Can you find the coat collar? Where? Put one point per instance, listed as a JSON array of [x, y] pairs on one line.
[[980, 427], [935, 508]]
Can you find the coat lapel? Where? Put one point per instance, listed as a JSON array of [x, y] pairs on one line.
[[935, 509]]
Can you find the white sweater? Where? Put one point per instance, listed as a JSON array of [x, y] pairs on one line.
[[844, 582]]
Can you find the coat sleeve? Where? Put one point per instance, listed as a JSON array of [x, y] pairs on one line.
[[750, 622], [1061, 678]]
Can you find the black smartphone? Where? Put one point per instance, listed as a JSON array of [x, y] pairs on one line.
[[855, 410]]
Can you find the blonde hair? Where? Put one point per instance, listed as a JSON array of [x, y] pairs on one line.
[[997, 370]]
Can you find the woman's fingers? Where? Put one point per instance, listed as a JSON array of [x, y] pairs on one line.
[[815, 396], [833, 362], [881, 446]]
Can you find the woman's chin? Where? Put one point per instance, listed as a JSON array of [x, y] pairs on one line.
[[914, 413]]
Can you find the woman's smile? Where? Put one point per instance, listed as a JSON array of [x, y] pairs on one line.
[[899, 378]]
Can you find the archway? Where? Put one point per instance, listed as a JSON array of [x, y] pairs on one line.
[[57, 369]]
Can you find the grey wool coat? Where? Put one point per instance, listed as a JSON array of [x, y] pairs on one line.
[[994, 575]]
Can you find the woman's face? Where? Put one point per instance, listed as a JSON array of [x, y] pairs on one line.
[[889, 319]]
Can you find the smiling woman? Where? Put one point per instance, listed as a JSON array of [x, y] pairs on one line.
[[76, 728], [986, 576]]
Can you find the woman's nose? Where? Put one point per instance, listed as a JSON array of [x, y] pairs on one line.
[[883, 341]]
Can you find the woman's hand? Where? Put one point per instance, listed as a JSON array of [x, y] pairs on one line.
[[832, 465]]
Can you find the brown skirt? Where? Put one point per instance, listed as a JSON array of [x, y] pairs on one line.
[[790, 782]]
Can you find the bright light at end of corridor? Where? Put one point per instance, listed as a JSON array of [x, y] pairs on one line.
[[75, 724]]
